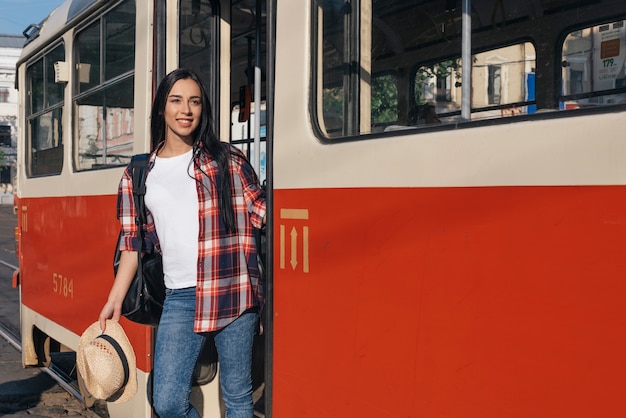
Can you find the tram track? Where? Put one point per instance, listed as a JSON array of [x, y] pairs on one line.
[[4, 263], [58, 375]]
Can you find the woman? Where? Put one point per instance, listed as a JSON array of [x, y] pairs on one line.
[[203, 200]]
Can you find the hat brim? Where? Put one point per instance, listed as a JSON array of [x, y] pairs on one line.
[[115, 331]]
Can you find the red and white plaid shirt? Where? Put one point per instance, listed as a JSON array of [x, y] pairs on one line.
[[229, 280]]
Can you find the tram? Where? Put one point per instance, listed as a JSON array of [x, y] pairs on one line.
[[446, 183]]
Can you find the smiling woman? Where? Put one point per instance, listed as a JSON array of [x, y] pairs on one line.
[[205, 301], [182, 114]]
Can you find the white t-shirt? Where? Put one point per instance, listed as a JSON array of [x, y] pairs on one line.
[[172, 199]]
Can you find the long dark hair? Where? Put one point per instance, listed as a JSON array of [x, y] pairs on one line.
[[204, 140]]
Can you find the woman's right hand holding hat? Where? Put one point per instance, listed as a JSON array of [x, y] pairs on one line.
[[112, 309]]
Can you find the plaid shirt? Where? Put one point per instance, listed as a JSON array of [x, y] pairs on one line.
[[229, 281]]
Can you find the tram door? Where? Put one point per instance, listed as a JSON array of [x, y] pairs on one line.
[[222, 41]]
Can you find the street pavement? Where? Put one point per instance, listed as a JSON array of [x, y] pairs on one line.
[[27, 392]]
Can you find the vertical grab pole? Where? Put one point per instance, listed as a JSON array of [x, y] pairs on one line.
[[466, 60], [256, 162]]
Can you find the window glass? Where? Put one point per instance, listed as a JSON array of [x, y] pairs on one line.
[[119, 46], [44, 91], [46, 143], [88, 58], [247, 98], [54, 90], [104, 86], [36, 85], [334, 82], [594, 65], [105, 123], [502, 85], [197, 40], [437, 92], [44, 139], [384, 100]]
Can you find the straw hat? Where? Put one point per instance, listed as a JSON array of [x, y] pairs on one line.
[[107, 363]]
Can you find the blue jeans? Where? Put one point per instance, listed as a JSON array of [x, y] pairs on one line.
[[178, 348]]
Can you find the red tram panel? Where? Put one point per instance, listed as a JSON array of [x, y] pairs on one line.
[[492, 316]]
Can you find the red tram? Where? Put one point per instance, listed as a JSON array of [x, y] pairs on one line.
[[446, 183]]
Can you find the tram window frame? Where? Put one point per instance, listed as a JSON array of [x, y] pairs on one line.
[[44, 114], [403, 41], [103, 98]]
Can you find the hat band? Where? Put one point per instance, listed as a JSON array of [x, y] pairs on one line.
[[120, 353]]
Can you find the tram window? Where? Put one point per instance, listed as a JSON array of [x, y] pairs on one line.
[[594, 66], [369, 77], [335, 70], [104, 90], [366, 51], [119, 40], [513, 65], [113, 121], [44, 91], [88, 58], [37, 82], [44, 140]]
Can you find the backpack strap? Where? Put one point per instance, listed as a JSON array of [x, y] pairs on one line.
[[139, 165]]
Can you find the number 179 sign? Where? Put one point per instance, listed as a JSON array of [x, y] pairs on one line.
[[612, 53]]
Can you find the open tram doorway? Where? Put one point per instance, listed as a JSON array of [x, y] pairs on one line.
[[233, 70], [224, 41]]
